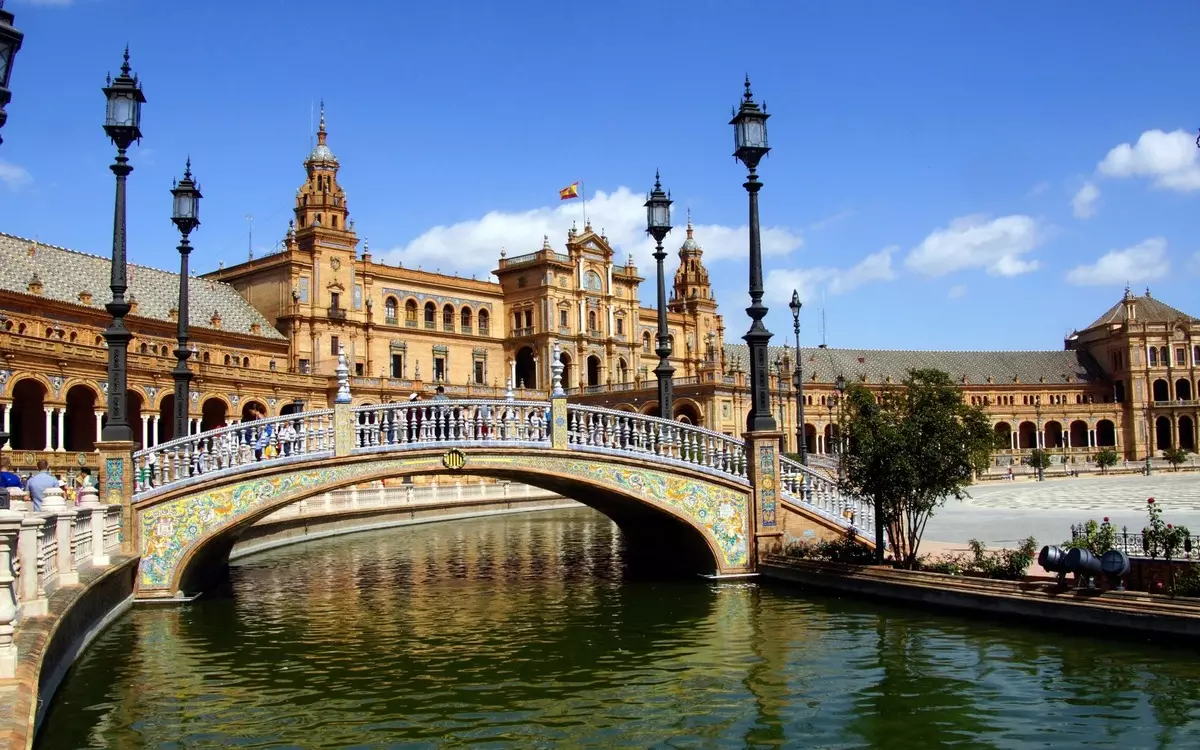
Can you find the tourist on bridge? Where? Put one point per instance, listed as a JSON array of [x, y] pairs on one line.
[[39, 483], [7, 477]]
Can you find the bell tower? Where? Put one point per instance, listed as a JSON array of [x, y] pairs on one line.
[[692, 291], [321, 201]]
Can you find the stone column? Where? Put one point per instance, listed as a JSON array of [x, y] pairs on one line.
[[7, 425], [146, 441], [49, 427], [99, 425], [116, 488], [10, 530], [89, 498], [64, 534], [762, 459], [62, 430], [32, 601]]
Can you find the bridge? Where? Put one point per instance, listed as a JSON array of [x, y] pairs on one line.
[[697, 493]]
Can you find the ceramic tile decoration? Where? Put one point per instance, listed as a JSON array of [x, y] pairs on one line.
[[766, 483], [170, 529]]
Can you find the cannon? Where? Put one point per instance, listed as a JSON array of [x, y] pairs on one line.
[[1115, 564], [1084, 565], [1054, 560]]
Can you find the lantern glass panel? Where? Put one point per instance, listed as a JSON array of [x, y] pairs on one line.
[[660, 214], [121, 108], [185, 205], [6, 52]]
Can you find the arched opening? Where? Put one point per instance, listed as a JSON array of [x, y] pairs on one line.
[[410, 312], [1026, 435], [81, 419], [1004, 433], [1079, 434], [1187, 433], [292, 407], [253, 410], [165, 428], [568, 375], [1183, 389], [687, 413], [623, 371], [448, 317], [28, 423], [430, 315], [465, 320], [593, 368], [526, 368], [212, 414], [1106, 433], [810, 437], [656, 537], [1162, 391], [389, 309], [1162, 434], [1054, 434], [592, 321], [483, 323], [646, 342]]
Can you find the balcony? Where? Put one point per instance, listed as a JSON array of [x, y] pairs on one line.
[[1177, 403], [430, 325], [483, 329], [390, 320], [336, 313], [518, 332], [411, 323], [466, 328], [596, 334], [448, 327]]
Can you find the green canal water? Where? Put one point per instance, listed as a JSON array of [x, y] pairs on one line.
[[524, 631]]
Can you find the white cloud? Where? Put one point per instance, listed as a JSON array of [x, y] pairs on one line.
[[1037, 189], [978, 242], [473, 246], [1171, 159], [1144, 261], [13, 176], [956, 291], [875, 267], [1084, 202]]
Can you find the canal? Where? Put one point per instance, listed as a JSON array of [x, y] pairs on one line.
[[525, 631]]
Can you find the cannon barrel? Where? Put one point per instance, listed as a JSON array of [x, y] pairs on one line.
[[1052, 559], [1082, 561], [1115, 562]]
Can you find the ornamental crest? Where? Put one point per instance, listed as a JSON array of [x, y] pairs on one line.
[[151, 391], [4, 375], [57, 382], [234, 399]]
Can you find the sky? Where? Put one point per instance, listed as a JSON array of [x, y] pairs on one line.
[[943, 175]]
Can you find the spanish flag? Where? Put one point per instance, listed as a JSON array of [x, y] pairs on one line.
[[569, 192]]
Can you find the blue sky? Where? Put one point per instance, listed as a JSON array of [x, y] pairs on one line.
[[944, 174]]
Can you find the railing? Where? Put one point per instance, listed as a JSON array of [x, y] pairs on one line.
[[1138, 544], [43, 551], [459, 421], [591, 427], [336, 313], [390, 320], [806, 487], [1178, 402], [226, 448], [408, 495]]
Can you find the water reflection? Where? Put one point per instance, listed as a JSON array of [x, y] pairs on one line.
[[525, 631]]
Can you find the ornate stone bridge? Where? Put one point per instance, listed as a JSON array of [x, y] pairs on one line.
[[685, 490]]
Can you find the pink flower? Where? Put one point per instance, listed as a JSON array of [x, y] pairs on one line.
[[1169, 526], [1106, 519], [1150, 501]]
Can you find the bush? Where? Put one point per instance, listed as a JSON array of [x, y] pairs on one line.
[[1188, 582], [1039, 459], [1175, 457], [848, 549], [1096, 538], [1105, 458], [1005, 565]]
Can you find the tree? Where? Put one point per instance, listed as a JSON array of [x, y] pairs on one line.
[[1175, 457], [1105, 458], [911, 447], [1039, 459]]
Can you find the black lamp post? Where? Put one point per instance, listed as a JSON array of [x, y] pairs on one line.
[[750, 146], [122, 122], [4, 498], [798, 380], [186, 215], [840, 386], [10, 42], [658, 224]]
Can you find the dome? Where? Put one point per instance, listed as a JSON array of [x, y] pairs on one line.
[[322, 153]]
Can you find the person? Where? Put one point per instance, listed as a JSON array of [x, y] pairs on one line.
[[264, 437], [8, 477], [39, 483], [84, 478], [439, 394]]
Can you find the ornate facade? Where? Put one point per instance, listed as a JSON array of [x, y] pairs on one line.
[[267, 332]]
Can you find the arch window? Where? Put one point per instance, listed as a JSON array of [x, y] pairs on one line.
[[465, 320], [430, 315], [410, 313], [245, 361], [389, 310], [591, 281], [1153, 357], [483, 323], [645, 341], [448, 318], [592, 321], [226, 359]]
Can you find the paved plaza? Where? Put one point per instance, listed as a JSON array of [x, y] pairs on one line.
[[1001, 513]]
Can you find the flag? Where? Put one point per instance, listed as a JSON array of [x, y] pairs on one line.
[[569, 192]]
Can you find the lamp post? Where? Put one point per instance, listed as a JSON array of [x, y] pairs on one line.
[[10, 42], [4, 498], [840, 386], [186, 215], [1039, 436], [122, 121], [658, 224], [750, 146], [798, 380]]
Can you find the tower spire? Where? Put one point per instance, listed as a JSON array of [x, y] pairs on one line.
[[321, 126]]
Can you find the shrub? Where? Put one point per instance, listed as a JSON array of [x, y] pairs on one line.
[[1105, 458], [1096, 538], [1175, 457], [848, 549], [1006, 565]]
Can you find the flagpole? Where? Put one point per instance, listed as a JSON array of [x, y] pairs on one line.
[[583, 194]]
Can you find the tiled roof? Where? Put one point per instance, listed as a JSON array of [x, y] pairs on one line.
[[1146, 310], [879, 364], [65, 273]]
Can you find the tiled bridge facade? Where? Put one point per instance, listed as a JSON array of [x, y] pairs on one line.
[[720, 497]]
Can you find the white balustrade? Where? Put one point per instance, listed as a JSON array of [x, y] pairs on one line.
[[811, 489], [228, 448], [10, 529], [592, 428], [420, 423], [383, 498]]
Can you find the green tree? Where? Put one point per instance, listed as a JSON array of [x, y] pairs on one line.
[[1175, 457], [910, 448], [1039, 459], [1105, 458]]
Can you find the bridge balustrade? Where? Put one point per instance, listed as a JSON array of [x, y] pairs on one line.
[[227, 448], [807, 487], [627, 432], [392, 426]]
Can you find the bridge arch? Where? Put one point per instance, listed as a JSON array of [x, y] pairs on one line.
[[185, 534]]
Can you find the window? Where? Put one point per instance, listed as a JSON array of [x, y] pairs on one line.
[[389, 309], [645, 341], [410, 313], [465, 320], [305, 366], [1119, 391], [529, 318], [1163, 357], [483, 323], [480, 372], [448, 318], [245, 361], [1180, 357], [562, 318], [591, 281], [358, 369], [333, 345], [304, 289], [358, 296], [439, 369], [1196, 355], [1153, 356], [430, 315], [397, 365], [620, 326], [592, 320], [335, 300]]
